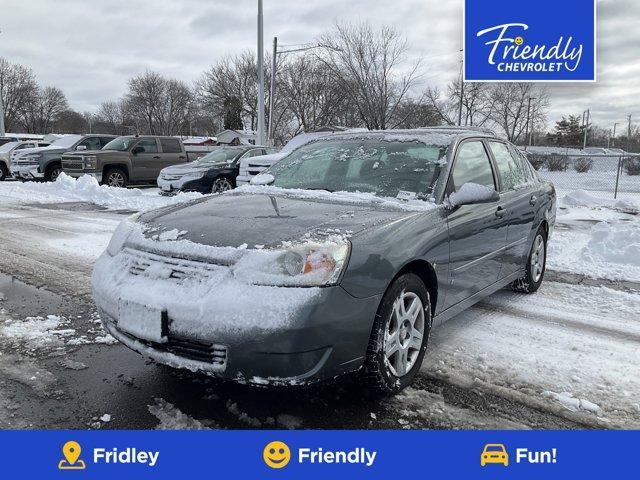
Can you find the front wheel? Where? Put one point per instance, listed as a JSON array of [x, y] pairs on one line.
[[536, 265], [4, 172], [115, 177], [221, 184], [399, 336], [52, 173]]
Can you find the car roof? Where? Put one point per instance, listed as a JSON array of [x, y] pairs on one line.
[[443, 131]]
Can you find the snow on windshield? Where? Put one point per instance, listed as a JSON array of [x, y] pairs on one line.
[[8, 146]]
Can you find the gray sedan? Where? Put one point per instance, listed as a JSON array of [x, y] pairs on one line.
[[341, 258]]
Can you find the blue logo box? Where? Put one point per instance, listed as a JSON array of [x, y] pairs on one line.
[[530, 41]]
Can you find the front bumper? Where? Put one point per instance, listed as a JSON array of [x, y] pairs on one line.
[[171, 187], [26, 172], [320, 333], [80, 173]]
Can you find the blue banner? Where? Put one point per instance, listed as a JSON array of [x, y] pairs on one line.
[[541, 40], [318, 454]]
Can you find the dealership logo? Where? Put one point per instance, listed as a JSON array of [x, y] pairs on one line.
[[517, 41], [510, 53]]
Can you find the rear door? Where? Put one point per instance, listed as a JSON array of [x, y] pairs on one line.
[[146, 163], [477, 233], [171, 152], [519, 200]]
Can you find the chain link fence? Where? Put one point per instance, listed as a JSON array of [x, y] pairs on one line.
[[602, 172]]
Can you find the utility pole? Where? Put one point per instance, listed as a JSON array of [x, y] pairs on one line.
[[528, 137], [629, 128], [2, 131], [272, 95], [260, 139], [461, 91], [613, 137], [586, 127]]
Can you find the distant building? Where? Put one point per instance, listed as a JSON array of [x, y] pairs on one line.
[[200, 141]]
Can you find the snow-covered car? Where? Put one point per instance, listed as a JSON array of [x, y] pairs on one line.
[[7, 149], [340, 258], [215, 172], [250, 167]]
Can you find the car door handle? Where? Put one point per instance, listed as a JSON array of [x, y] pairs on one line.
[[157, 157], [500, 212], [182, 157], [533, 200]]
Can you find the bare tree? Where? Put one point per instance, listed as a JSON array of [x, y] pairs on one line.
[[43, 111], [477, 103], [366, 63], [18, 88], [510, 103]]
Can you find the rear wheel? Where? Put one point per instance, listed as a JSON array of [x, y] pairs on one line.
[[4, 172], [399, 336], [115, 177], [536, 265], [52, 173], [221, 184]]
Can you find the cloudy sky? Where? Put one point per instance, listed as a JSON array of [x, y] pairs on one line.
[[89, 48]]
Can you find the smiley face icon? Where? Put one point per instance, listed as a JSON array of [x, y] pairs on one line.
[[519, 40], [276, 454]]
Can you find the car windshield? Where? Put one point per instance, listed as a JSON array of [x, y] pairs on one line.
[[121, 144], [494, 448], [386, 168], [8, 146], [221, 155]]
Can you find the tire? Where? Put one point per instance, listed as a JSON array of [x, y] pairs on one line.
[[115, 177], [222, 184], [4, 172], [392, 360], [536, 267], [52, 173]]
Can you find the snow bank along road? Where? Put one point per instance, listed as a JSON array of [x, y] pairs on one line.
[[565, 357]]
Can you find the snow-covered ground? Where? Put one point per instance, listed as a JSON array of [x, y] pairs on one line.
[[571, 349]]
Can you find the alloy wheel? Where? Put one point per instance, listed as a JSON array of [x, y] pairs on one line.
[[221, 185], [116, 179], [404, 333], [55, 173], [537, 258]]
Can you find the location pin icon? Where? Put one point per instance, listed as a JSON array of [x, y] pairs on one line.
[[71, 451]]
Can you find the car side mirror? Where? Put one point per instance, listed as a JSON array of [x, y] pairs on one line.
[[263, 179], [137, 150], [473, 193], [81, 147]]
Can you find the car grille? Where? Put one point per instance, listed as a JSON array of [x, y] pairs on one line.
[[170, 178], [72, 163]]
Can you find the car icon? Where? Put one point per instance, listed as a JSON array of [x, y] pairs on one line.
[[494, 453]]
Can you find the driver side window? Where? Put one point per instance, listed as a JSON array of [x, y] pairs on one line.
[[472, 166]]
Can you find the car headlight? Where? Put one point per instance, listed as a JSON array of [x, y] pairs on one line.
[[305, 265], [90, 162], [121, 235], [194, 175]]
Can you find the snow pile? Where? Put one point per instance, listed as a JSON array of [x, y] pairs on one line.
[[172, 418], [568, 401], [350, 198], [87, 189], [37, 332], [582, 198], [471, 193], [618, 243]]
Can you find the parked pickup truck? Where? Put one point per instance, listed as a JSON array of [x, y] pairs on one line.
[[127, 160], [44, 163], [9, 148]]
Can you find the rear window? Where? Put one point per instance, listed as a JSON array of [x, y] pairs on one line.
[[170, 145]]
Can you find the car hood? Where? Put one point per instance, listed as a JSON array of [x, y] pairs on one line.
[[44, 150], [102, 153], [232, 220], [194, 167]]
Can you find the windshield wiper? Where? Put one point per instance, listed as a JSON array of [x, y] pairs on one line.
[[322, 189]]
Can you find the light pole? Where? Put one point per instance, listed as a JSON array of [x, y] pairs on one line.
[[613, 137], [272, 95], [261, 139], [461, 90], [527, 138], [587, 116], [2, 131]]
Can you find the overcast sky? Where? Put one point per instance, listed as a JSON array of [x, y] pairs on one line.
[[90, 48]]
